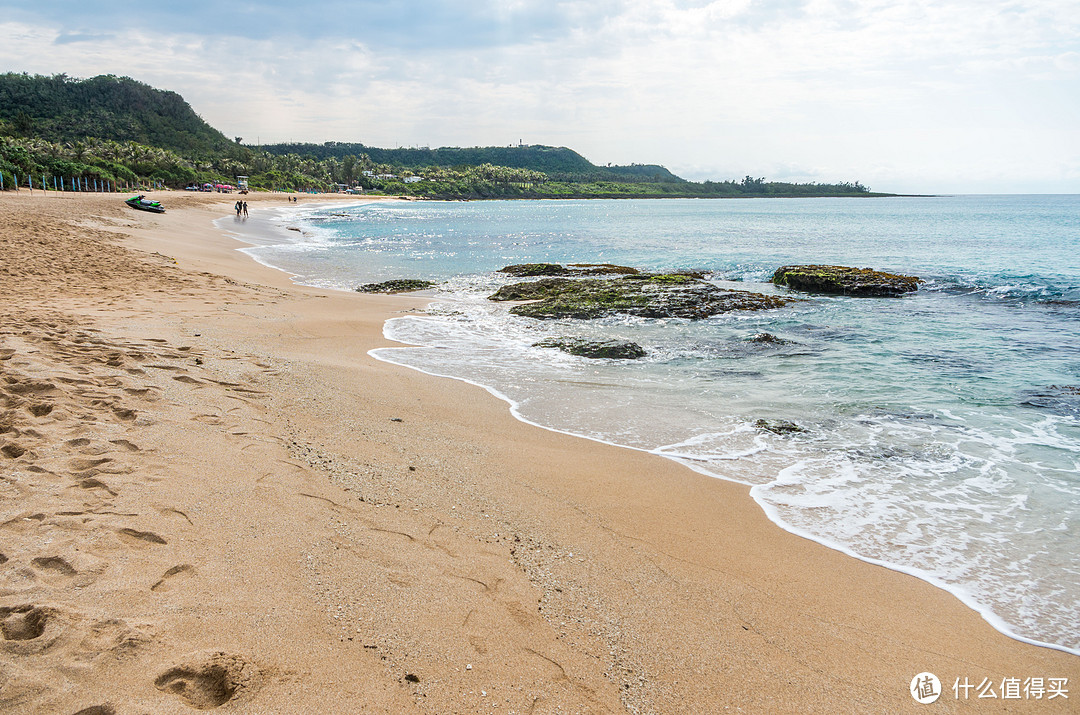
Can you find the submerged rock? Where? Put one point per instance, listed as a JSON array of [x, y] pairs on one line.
[[405, 285], [780, 427], [769, 339], [532, 270], [1059, 399], [842, 280], [610, 349], [665, 295]]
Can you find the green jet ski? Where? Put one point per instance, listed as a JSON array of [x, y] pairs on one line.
[[144, 204]]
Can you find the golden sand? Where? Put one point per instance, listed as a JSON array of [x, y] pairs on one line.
[[212, 497]]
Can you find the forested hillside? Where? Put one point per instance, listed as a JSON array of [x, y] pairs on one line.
[[119, 109], [108, 130], [558, 163]]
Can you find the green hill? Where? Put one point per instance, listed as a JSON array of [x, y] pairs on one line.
[[558, 163], [61, 109]]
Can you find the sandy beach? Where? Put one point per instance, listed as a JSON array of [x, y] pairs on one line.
[[212, 497]]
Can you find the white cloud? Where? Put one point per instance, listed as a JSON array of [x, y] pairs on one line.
[[945, 92]]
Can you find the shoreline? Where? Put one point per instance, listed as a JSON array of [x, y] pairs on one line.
[[415, 515], [986, 612], [770, 511]]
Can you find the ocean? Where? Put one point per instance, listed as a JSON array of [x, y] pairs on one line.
[[942, 429]]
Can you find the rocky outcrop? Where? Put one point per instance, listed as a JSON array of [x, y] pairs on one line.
[[781, 427], [405, 285], [644, 295], [842, 280], [533, 270], [534, 290], [609, 349], [768, 339]]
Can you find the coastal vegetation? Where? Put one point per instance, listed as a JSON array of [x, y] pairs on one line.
[[116, 129], [556, 163]]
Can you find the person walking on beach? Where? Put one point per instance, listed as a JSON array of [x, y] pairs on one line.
[[245, 208], [237, 207]]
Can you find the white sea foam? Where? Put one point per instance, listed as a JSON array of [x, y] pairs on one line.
[[929, 496]]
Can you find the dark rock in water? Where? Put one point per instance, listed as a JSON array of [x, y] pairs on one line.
[[405, 285], [693, 273], [610, 349], [1060, 399], [1060, 303], [534, 290], [600, 269], [644, 295], [779, 426], [842, 280], [769, 339], [532, 270]]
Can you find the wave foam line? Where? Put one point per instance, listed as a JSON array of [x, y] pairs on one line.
[[771, 512]]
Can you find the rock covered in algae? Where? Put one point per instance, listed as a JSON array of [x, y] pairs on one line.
[[533, 270], [534, 290], [404, 285], [843, 280], [667, 295], [610, 349]]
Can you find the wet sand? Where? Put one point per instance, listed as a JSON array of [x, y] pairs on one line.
[[211, 497]]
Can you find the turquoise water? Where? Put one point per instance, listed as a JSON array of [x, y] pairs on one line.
[[941, 437]]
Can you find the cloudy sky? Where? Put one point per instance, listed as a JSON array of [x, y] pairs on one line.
[[965, 96]]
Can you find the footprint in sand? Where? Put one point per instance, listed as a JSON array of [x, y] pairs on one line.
[[23, 623], [146, 536], [11, 450], [208, 683], [171, 511], [105, 709], [54, 564], [41, 409], [168, 579], [24, 522], [92, 483], [129, 446], [29, 629], [124, 414], [30, 387], [115, 637], [80, 465]]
